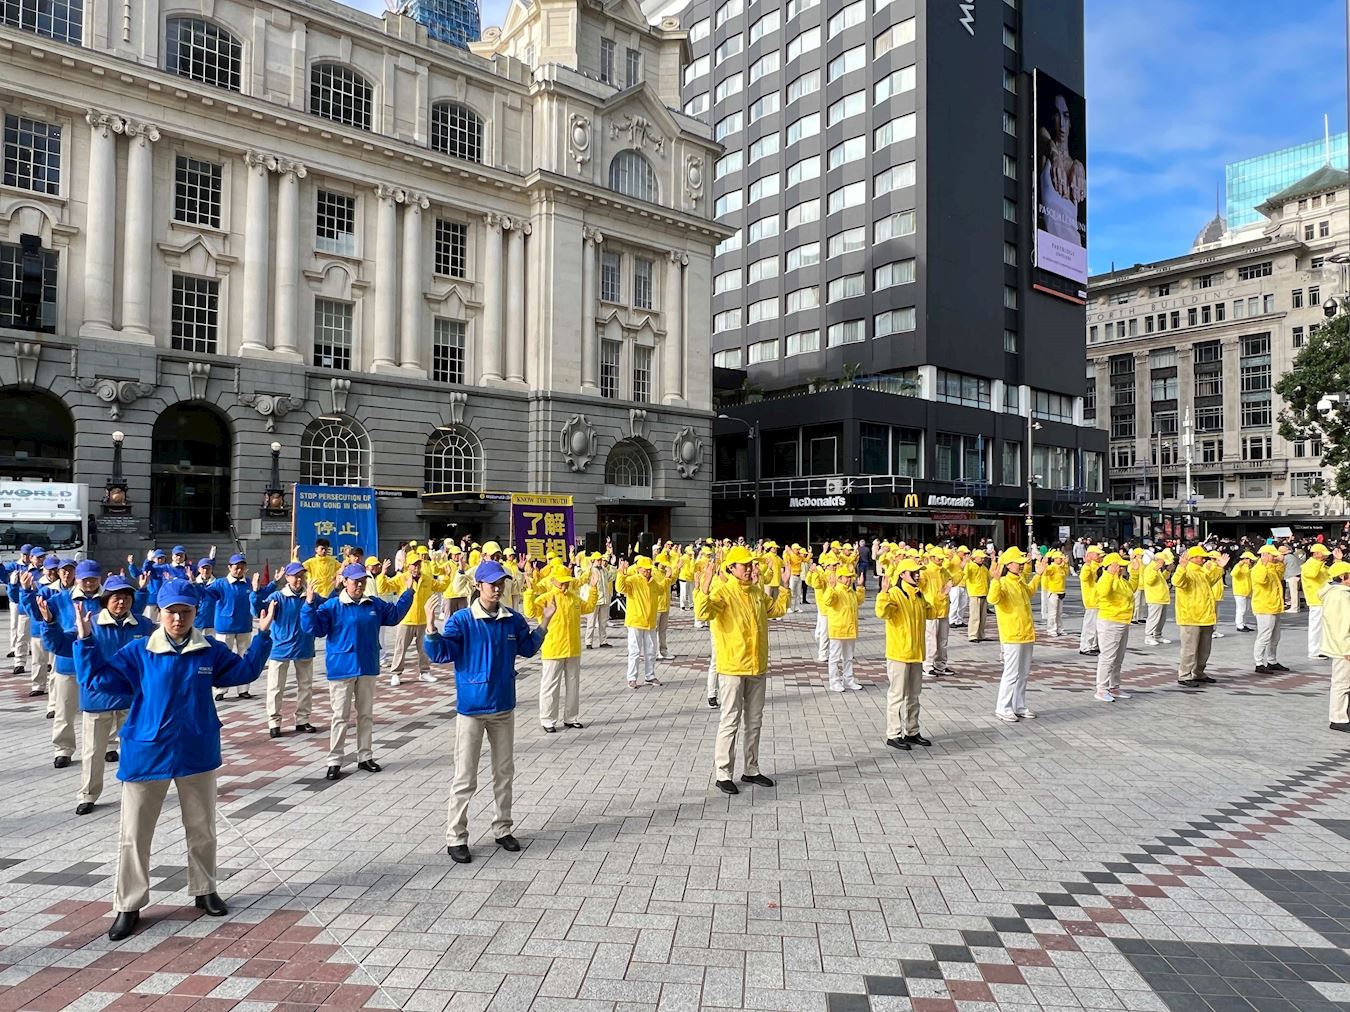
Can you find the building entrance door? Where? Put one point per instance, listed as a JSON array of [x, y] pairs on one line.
[[190, 471]]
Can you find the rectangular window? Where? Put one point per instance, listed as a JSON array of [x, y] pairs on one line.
[[762, 270], [852, 150], [1053, 407], [195, 314], [874, 445], [32, 158], [897, 82], [611, 277], [1010, 166], [732, 161], [1009, 81], [894, 321], [727, 281], [633, 66], [1009, 38], [1209, 419], [1012, 463], [452, 248], [807, 42], [1256, 447], [729, 359], [642, 373], [697, 68], [1296, 298], [1308, 232], [850, 286], [729, 245], [1010, 210], [762, 351], [766, 106], [853, 104], [335, 223], [1298, 336], [806, 126], [803, 299], [332, 334], [848, 241], [642, 282], [805, 255], [806, 84], [607, 61], [1251, 272], [728, 203], [765, 186], [729, 319], [12, 310], [893, 226], [854, 14], [899, 129], [900, 272], [958, 457], [728, 86], [957, 388], [1009, 297], [62, 20], [897, 177], [845, 63], [764, 66], [1010, 256], [727, 11], [1314, 296], [767, 228], [1010, 341], [447, 351], [849, 332], [893, 38], [728, 125], [823, 455], [803, 342], [851, 195], [609, 369], [807, 168], [804, 213], [795, 7], [766, 25], [697, 105], [1009, 123], [732, 46], [1323, 229], [764, 309]]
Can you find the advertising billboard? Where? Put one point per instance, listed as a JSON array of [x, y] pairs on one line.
[[1060, 182]]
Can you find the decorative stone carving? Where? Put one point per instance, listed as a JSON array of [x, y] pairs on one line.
[[678, 257], [136, 129], [579, 139], [116, 393], [199, 374], [637, 423], [287, 166], [338, 389], [688, 452], [693, 178], [273, 406], [639, 130], [260, 160], [26, 354], [411, 197], [578, 442], [669, 24], [458, 401], [105, 122], [589, 234]]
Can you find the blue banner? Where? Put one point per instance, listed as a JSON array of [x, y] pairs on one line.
[[343, 515]]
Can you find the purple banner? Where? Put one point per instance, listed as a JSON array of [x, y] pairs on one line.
[[541, 525]]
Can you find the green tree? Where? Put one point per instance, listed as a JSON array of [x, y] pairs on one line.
[[1321, 369]]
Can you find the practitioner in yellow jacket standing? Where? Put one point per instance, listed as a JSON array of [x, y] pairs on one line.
[[1115, 588], [1197, 614], [1313, 576], [738, 612], [977, 586], [640, 586], [1087, 586], [1268, 606], [1158, 596], [1053, 580], [1010, 595], [840, 601], [1335, 599], [561, 652], [1242, 592], [935, 580], [904, 610]]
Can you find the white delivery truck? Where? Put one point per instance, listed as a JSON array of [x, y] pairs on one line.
[[50, 514]]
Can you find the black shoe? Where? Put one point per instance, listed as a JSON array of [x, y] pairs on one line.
[[61, 762], [508, 842], [370, 766], [727, 787], [1188, 683], [84, 808], [334, 772], [245, 695], [212, 904], [574, 723], [18, 669], [899, 743], [459, 854], [306, 729], [550, 730], [1086, 653], [1207, 680], [274, 732], [110, 756], [606, 646], [1278, 667], [123, 925], [758, 779], [36, 692], [1262, 669], [917, 739], [10, 654], [712, 703], [1339, 727], [219, 696]]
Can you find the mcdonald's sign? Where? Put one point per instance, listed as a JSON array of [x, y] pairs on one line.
[[911, 500]]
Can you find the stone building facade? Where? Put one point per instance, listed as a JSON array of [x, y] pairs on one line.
[[436, 272]]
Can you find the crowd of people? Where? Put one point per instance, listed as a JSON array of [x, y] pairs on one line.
[[142, 659]]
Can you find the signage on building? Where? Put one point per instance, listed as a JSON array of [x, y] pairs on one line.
[[968, 16], [1059, 181], [808, 502], [952, 501], [542, 525]]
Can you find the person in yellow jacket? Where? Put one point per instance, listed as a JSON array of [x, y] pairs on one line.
[[641, 586], [840, 601], [903, 608], [1158, 595], [686, 574], [1313, 576], [1197, 613], [1268, 606], [738, 612], [410, 632], [665, 572], [935, 581], [977, 586], [561, 652], [1335, 597], [1138, 555], [1087, 586], [1242, 592], [1054, 578], [1010, 595], [795, 557], [1115, 612], [597, 571], [719, 576], [322, 567], [958, 600], [816, 577]]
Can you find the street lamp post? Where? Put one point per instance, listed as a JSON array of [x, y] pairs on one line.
[[115, 489], [752, 445], [1186, 448], [1033, 427], [274, 496]]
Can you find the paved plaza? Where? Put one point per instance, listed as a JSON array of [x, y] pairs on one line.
[[1182, 850]]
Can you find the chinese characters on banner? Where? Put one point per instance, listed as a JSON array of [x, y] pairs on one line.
[[541, 525], [343, 515]]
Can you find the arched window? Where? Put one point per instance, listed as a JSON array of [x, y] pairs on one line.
[[334, 451], [456, 130], [628, 467], [199, 50], [633, 176], [454, 462], [340, 94]]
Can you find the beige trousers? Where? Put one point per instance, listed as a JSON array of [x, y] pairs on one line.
[[1088, 639], [276, 689], [97, 733], [936, 633], [1340, 690], [1196, 641], [20, 631], [501, 734], [41, 672], [1113, 637], [742, 709], [342, 692], [902, 699], [1267, 639], [1293, 583], [141, 805], [65, 704], [404, 636], [237, 642], [560, 677], [975, 631], [597, 625]]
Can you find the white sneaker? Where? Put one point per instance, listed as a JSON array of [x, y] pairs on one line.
[[1006, 715], [1120, 694], [1166, 643], [854, 686], [1153, 643], [836, 686], [1104, 697], [427, 676], [1027, 714], [1218, 635], [395, 681]]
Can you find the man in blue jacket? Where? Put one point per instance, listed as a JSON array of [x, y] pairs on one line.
[[351, 621], [483, 642], [233, 599], [156, 570], [292, 648], [115, 625], [206, 606], [172, 733], [19, 633], [56, 608]]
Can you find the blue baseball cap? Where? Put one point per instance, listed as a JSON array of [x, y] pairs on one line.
[[489, 572], [117, 585], [294, 568], [51, 562], [159, 554], [237, 558], [88, 570], [179, 550], [37, 552], [354, 571], [206, 563], [69, 564], [176, 592], [25, 549]]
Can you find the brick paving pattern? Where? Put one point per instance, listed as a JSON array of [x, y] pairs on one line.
[[1181, 850]]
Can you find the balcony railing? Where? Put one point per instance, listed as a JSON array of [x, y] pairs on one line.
[[858, 484]]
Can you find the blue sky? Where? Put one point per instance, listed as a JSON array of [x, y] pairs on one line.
[[1176, 89]]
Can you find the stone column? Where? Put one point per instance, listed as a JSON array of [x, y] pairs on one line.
[[257, 238], [100, 230], [492, 297], [515, 305], [386, 277], [285, 339], [672, 362], [138, 234], [591, 238], [411, 336]]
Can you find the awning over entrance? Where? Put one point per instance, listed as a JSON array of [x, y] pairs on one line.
[[639, 503]]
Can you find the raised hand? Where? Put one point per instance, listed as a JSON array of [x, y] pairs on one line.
[[26, 579], [309, 593], [257, 582], [265, 620], [431, 614], [145, 578], [549, 610], [83, 627], [44, 609]]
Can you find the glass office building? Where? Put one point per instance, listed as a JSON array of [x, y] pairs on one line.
[[1248, 182], [454, 21]]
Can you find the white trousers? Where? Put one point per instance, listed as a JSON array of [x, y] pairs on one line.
[[560, 679], [1293, 584], [712, 666], [1140, 606], [1315, 630], [822, 637], [936, 632], [795, 590], [1054, 615], [500, 729], [1088, 639], [686, 594], [641, 654], [65, 703], [841, 663], [1267, 639], [1243, 611], [1340, 690], [20, 632], [958, 605], [597, 625], [1012, 687], [1114, 637], [41, 670]]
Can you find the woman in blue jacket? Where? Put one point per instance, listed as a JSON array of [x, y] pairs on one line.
[[171, 733], [292, 648], [351, 621], [233, 598], [483, 641]]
